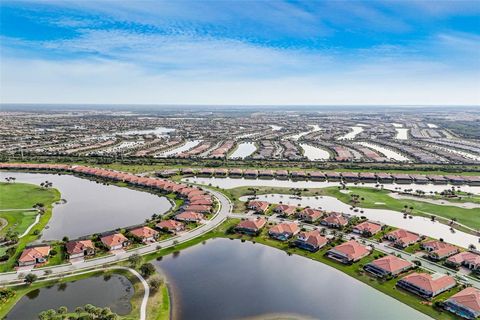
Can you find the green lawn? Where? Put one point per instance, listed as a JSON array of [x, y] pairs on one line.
[[23, 195], [18, 221]]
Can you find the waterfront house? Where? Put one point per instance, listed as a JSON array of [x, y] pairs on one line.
[[265, 174], [145, 234], [455, 179], [235, 173], [33, 256], [311, 240], [171, 226], [349, 176], [251, 227], [334, 220], [367, 228], [402, 178], [419, 178], [317, 176], [469, 260], [388, 266], [206, 172], [384, 177], [258, 206], [198, 208], [437, 179], [80, 248], [472, 180], [426, 285], [250, 174], [402, 238], [310, 215], [201, 202], [285, 210], [281, 174], [115, 241], [348, 252], [298, 175], [367, 177], [333, 176], [189, 216], [284, 231], [220, 172], [187, 171], [465, 303], [438, 250]]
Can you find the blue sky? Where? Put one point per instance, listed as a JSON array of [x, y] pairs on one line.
[[240, 52]]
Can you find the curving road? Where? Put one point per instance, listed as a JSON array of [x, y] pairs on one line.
[[224, 210]]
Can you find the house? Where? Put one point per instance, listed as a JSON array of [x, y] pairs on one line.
[[348, 252], [80, 248], [265, 174], [250, 174], [220, 172], [144, 233], [469, 260], [311, 240], [298, 175], [402, 178], [284, 231], [367, 177], [419, 178], [317, 176], [368, 228], [201, 202], [455, 179], [426, 285], [198, 208], [310, 215], [115, 241], [333, 176], [281, 174], [285, 210], [384, 177], [235, 173], [34, 255], [251, 227], [171, 226], [436, 179], [472, 180], [388, 266], [402, 238], [189, 216], [465, 303], [334, 220], [258, 206], [349, 176], [206, 172], [438, 250]]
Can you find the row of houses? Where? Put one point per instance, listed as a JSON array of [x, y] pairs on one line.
[[334, 176], [465, 303], [38, 255]]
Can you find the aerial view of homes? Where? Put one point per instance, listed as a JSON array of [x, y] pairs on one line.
[[239, 213]]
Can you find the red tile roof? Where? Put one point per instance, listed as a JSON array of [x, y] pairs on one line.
[[78, 246], [33, 253], [255, 224], [143, 232], [352, 250], [391, 263], [170, 225], [468, 297], [313, 238], [285, 227], [427, 282], [113, 239], [368, 226]]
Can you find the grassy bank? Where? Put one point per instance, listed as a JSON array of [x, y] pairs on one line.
[[21, 196]]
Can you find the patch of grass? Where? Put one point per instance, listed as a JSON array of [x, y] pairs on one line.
[[17, 221]]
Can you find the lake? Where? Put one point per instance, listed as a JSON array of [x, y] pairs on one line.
[[92, 207], [114, 292], [228, 279], [243, 150]]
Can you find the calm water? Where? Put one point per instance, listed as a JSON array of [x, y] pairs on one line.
[[314, 153], [226, 279], [352, 134], [417, 224], [243, 150], [187, 146], [387, 152], [114, 292], [402, 134], [93, 207]]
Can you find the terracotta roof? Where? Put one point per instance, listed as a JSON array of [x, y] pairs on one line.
[[113, 239], [468, 257], [352, 249], [312, 213], [285, 227], [336, 218], [169, 224], [391, 263], [255, 224], [404, 236], [313, 238], [143, 232], [440, 248], [368, 226], [259, 204], [188, 215], [428, 282], [78, 246], [286, 209], [468, 297], [33, 253]]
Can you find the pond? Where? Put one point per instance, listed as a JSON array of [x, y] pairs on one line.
[[114, 292], [158, 131], [228, 279], [314, 153], [243, 150], [387, 152], [92, 207], [230, 183], [352, 134], [416, 224], [402, 133], [187, 146]]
